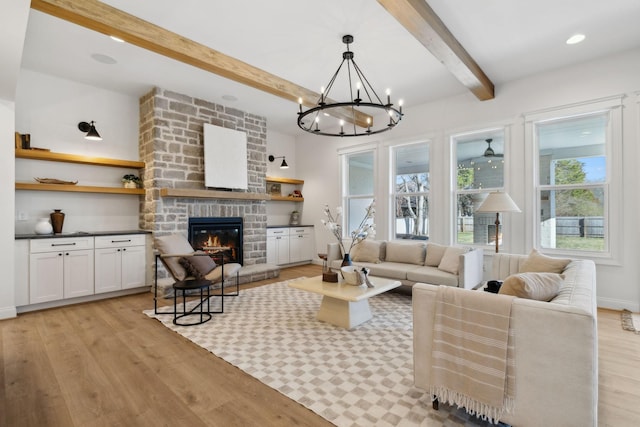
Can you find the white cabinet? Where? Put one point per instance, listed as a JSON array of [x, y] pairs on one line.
[[278, 246], [60, 268], [300, 244], [289, 245], [119, 262], [21, 269]]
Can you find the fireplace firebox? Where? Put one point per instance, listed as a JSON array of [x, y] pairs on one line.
[[221, 237]]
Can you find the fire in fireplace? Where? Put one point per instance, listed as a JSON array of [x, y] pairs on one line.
[[219, 236]]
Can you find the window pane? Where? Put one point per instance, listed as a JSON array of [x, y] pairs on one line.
[[473, 227], [360, 172], [412, 216], [480, 162], [573, 219], [357, 210], [572, 151]]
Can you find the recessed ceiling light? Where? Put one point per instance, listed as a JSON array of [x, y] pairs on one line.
[[575, 39], [229, 98], [104, 59], [116, 39]]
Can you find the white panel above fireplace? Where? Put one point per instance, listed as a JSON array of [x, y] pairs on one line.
[[225, 158]]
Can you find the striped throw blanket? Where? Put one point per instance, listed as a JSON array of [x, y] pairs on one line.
[[472, 352]]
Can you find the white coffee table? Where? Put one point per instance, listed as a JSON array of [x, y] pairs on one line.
[[342, 304]]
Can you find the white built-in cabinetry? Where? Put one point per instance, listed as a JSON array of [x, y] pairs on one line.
[[54, 269], [288, 245], [60, 268], [118, 262]]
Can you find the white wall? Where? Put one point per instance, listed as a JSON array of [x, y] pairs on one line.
[[279, 144], [50, 108], [618, 281]]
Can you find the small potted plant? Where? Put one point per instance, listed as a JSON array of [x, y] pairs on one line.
[[130, 181]]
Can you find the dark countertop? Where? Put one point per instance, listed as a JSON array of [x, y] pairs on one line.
[[80, 234], [288, 226]]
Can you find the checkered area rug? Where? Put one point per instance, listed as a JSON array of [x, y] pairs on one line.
[[358, 377]]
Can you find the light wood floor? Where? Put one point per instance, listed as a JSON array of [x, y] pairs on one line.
[[107, 364]]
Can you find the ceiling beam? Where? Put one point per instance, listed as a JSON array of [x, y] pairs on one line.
[[421, 21], [105, 19]]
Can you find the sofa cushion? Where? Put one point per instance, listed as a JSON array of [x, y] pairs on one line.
[[537, 262], [389, 270], [434, 254], [408, 253], [174, 244], [538, 286], [451, 259], [432, 275], [367, 251]]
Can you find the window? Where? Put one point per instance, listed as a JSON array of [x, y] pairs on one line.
[[480, 170], [572, 190], [358, 187], [410, 191]]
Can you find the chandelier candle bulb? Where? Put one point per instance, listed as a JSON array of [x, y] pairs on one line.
[[389, 96], [400, 102], [300, 102]]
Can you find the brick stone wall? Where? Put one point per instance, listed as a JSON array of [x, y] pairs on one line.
[[171, 145]]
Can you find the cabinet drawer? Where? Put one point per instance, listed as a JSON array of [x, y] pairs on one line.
[[274, 232], [55, 244], [119, 241], [306, 231]]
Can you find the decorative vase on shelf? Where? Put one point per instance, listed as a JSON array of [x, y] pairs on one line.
[[43, 226], [57, 220], [130, 184], [346, 260]]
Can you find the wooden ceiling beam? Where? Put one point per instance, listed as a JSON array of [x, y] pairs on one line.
[[421, 21], [105, 19]]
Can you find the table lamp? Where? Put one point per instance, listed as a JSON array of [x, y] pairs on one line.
[[498, 201]]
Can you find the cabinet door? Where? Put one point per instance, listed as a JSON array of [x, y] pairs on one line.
[[282, 250], [46, 281], [78, 273], [108, 270], [133, 267], [272, 250]]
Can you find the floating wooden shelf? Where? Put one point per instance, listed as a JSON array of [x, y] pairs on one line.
[[277, 198], [78, 188], [212, 194], [75, 158], [285, 180]]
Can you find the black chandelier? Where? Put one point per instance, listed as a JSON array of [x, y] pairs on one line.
[[356, 111]]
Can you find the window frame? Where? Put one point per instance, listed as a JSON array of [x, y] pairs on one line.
[[345, 197], [612, 185]]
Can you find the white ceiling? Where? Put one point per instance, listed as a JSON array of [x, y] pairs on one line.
[[300, 41]]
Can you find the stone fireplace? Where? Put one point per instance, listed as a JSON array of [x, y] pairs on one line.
[[171, 145]]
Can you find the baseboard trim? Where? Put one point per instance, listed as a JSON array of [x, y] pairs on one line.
[[617, 304], [8, 313]]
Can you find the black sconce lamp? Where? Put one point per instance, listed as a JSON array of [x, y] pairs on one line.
[[90, 129], [283, 165]]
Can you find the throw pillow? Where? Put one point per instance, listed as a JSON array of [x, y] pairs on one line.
[[539, 263], [366, 251], [451, 259], [538, 286], [198, 265], [408, 253], [174, 244], [434, 254]]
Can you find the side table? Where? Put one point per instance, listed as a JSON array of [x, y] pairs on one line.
[[190, 285]]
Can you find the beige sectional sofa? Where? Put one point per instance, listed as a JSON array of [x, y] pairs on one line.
[[415, 261], [556, 345]]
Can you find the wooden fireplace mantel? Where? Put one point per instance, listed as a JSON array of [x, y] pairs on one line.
[[212, 194]]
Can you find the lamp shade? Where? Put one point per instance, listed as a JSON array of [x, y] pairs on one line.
[[498, 201]]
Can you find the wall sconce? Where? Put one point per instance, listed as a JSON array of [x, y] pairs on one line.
[[283, 165], [90, 129]]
